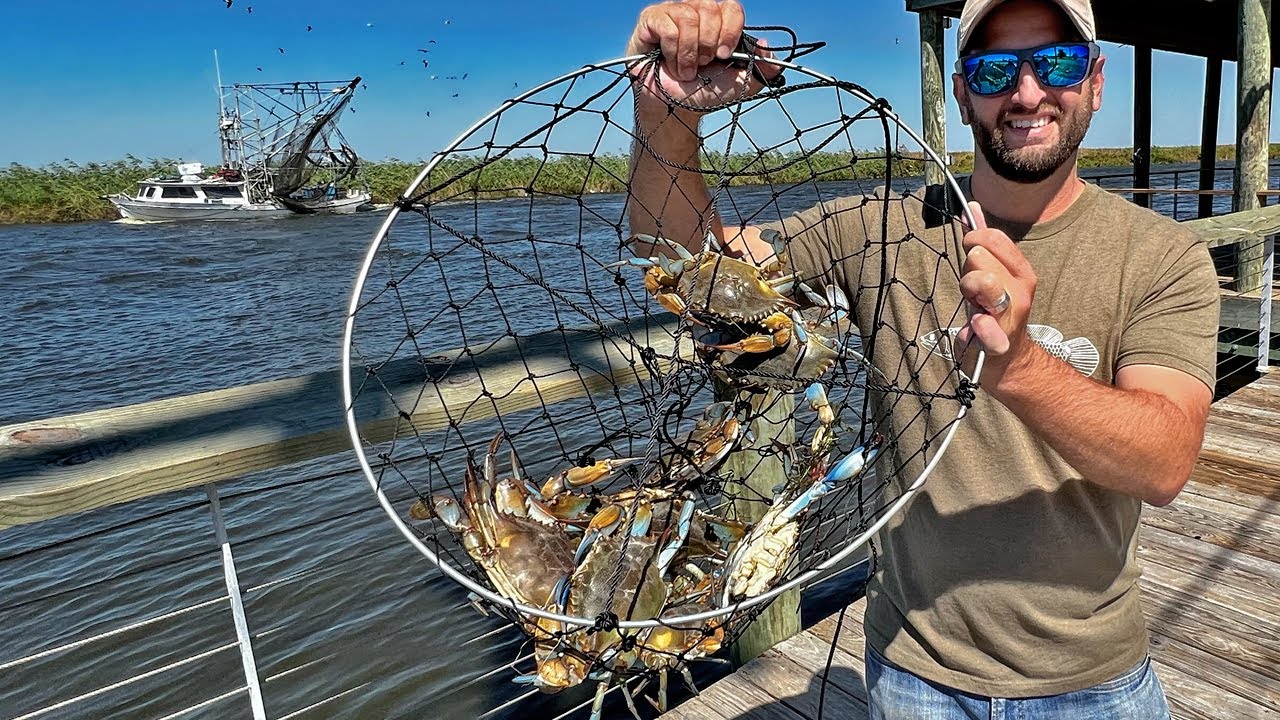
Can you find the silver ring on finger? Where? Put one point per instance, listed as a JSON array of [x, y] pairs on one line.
[[1002, 304]]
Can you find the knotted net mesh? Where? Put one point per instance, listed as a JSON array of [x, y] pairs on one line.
[[627, 448]]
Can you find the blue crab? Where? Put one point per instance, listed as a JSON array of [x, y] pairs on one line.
[[713, 288], [525, 558], [768, 551]]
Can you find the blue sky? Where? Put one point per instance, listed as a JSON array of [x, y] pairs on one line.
[[92, 80]]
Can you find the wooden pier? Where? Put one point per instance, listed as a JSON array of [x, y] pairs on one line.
[[1211, 576]]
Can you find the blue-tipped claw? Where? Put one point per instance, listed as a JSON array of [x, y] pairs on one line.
[[685, 521], [849, 467], [797, 327]]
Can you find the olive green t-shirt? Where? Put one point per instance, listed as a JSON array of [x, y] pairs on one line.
[[1010, 574]]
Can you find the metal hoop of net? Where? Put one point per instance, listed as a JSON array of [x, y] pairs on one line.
[[625, 461]]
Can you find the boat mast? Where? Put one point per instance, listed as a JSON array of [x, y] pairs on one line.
[[228, 124]]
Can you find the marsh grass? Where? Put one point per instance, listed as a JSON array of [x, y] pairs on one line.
[[70, 192]]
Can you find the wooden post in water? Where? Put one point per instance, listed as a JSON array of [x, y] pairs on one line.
[[1209, 133], [1253, 127], [1142, 123], [933, 96], [756, 467]]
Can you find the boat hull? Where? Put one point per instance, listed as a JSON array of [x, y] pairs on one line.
[[140, 210], [339, 206]]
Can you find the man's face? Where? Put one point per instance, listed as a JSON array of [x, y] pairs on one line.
[[1029, 133]]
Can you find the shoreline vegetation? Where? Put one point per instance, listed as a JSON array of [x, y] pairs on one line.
[[70, 192]]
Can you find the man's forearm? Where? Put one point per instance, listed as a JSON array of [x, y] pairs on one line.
[[1136, 442], [665, 199]]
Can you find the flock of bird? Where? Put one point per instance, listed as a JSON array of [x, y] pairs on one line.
[[426, 62]]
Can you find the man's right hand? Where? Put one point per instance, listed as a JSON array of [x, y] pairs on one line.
[[695, 38]]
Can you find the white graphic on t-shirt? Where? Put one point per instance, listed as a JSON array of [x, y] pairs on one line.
[[1080, 353]]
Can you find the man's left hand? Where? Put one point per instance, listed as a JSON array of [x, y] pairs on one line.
[[994, 266]]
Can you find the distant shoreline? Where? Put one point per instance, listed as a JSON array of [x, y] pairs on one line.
[[60, 193]]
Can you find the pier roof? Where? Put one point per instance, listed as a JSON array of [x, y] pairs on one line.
[[1203, 28]]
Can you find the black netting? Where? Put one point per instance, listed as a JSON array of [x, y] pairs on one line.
[[572, 443]]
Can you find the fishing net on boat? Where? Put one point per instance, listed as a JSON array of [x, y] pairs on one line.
[[631, 449]]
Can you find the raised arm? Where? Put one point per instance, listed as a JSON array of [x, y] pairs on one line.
[[695, 38]]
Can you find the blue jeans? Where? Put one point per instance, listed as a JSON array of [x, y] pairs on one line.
[[895, 693]]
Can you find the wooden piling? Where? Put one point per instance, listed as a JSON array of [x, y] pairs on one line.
[[758, 469], [933, 96], [1253, 127], [1142, 123], [1209, 133]]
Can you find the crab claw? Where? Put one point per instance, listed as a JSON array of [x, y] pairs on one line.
[[603, 523], [653, 241], [672, 546], [779, 245], [816, 395], [576, 477], [849, 467]]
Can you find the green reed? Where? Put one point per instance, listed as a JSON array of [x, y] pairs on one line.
[[70, 192]]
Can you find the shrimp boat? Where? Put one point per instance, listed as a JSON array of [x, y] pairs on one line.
[[282, 154], [193, 195]]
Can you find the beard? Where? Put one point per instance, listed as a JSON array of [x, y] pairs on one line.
[[1030, 165]]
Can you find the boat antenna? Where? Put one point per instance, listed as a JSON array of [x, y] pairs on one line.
[[217, 71]]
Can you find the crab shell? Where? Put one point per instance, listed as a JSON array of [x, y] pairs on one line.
[[722, 290]]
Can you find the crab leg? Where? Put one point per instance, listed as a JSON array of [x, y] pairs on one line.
[[834, 301], [601, 688]]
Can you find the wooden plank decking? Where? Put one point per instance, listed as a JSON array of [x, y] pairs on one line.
[[1211, 587]]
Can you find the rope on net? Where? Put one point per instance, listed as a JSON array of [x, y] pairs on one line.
[[586, 456]]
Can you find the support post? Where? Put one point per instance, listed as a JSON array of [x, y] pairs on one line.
[[756, 469], [1209, 133], [1253, 127], [1142, 123], [933, 96], [237, 606], [1264, 303]]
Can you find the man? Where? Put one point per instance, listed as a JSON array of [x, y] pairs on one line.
[[1008, 587]]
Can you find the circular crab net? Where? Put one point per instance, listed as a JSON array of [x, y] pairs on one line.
[[592, 438]]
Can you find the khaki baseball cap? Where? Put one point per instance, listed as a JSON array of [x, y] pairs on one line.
[[1079, 11]]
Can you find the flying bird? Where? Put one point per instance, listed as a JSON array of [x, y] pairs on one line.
[[464, 76], [401, 62], [281, 50], [249, 9], [455, 94], [229, 2], [428, 113], [425, 64], [308, 28], [424, 50], [259, 68]]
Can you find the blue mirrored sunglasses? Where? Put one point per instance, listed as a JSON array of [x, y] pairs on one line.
[[1056, 65]]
